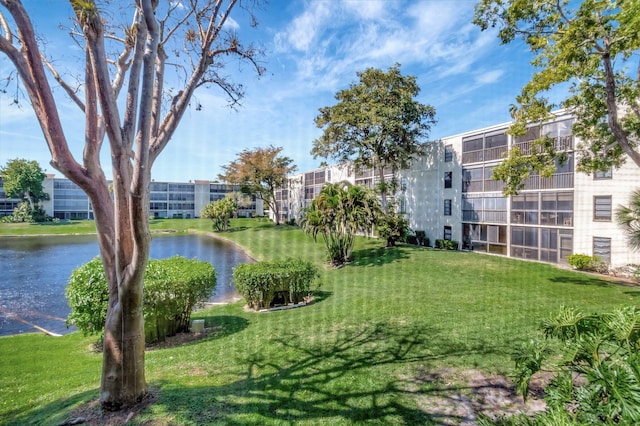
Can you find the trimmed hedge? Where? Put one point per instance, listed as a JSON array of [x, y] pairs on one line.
[[446, 244], [172, 287], [259, 282]]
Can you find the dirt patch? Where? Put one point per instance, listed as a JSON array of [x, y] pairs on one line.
[[91, 413], [182, 339], [457, 397]]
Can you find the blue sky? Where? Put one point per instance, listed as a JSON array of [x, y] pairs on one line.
[[313, 49]]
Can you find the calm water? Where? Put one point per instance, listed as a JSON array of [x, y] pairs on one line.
[[34, 273]]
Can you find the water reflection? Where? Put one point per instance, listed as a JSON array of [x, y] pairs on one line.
[[34, 273]]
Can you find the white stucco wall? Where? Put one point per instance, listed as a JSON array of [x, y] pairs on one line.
[[425, 192], [624, 180]]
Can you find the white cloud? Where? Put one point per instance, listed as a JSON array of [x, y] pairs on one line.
[[231, 24], [305, 29], [489, 77], [369, 9]]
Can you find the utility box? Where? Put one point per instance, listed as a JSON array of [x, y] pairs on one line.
[[197, 326]]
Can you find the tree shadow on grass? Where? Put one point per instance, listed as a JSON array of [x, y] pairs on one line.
[[589, 280], [215, 327], [580, 279], [356, 375], [237, 229], [320, 295], [220, 326], [363, 373], [379, 256]]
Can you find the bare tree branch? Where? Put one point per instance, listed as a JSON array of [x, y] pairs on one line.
[[71, 92]]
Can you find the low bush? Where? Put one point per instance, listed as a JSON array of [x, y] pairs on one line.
[[584, 262], [446, 244], [172, 287], [597, 378], [259, 282], [421, 238], [393, 227], [88, 297]]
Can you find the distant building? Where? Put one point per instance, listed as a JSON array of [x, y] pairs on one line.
[[303, 187], [6, 204], [167, 199]]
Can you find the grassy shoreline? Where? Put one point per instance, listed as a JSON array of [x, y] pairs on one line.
[[358, 354]]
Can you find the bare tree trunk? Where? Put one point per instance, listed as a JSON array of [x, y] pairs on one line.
[[123, 379]]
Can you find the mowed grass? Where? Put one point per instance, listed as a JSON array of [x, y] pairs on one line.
[[359, 354]]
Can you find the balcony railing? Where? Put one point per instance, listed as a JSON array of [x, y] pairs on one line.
[[492, 216], [562, 143], [558, 180], [472, 157], [495, 153], [493, 185]]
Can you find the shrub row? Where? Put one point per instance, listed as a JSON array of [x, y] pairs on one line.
[[584, 262], [172, 287], [418, 238], [259, 282], [446, 244]]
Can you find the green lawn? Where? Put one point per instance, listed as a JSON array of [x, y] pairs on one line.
[[358, 354]]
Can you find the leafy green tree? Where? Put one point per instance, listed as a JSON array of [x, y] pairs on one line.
[[338, 213], [393, 227], [590, 46], [259, 172], [243, 201], [629, 219], [377, 124], [138, 75], [23, 179], [220, 212]]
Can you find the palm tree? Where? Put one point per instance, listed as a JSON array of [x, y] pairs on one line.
[[629, 219], [338, 213]]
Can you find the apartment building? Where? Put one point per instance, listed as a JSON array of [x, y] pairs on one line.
[[301, 188], [167, 199], [7, 205], [448, 193]]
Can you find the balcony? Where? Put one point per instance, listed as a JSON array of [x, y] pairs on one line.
[[558, 180], [472, 157], [562, 143]]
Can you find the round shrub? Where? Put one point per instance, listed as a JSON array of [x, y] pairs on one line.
[[172, 287], [584, 262], [88, 297]]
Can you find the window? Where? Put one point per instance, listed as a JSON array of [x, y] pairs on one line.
[[448, 153], [602, 248], [447, 207], [472, 180], [448, 179], [447, 233], [602, 208], [600, 175]]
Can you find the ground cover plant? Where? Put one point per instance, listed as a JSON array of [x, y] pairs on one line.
[[371, 348]]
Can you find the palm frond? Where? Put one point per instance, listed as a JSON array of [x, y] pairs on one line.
[[565, 325]]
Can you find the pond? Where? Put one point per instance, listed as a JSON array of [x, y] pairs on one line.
[[34, 273]]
